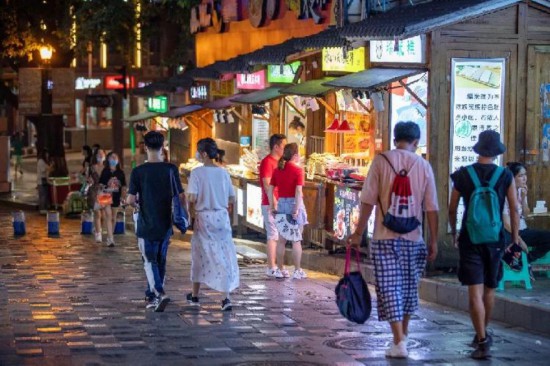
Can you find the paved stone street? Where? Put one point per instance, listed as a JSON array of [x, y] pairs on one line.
[[70, 301]]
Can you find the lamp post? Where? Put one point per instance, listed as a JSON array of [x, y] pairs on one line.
[[46, 53]]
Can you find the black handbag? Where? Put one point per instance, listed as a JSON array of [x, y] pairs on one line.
[[352, 294], [180, 216]]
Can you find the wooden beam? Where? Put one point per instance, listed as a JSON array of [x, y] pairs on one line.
[[239, 116], [363, 105], [326, 105], [411, 92], [295, 108], [268, 108], [202, 119], [189, 122]]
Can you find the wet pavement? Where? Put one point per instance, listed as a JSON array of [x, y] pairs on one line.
[[70, 301]]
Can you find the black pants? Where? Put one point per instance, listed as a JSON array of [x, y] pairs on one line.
[[537, 240]]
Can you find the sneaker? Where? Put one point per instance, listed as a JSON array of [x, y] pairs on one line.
[[226, 305], [110, 242], [483, 350], [271, 272], [151, 303], [98, 238], [489, 336], [192, 300], [299, 274], [275, 273], [285, 273], [162, 301], [398, 350]]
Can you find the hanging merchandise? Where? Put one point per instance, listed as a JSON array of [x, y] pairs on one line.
[[312, 104]]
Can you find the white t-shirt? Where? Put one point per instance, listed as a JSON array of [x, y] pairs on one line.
[[213, 187], [41, 171], [378, 186], [506, 211]]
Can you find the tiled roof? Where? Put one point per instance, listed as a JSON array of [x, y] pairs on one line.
[[312, 88], [257, 97], [372, 78], [182, 111], [408, 21], [221, 103]]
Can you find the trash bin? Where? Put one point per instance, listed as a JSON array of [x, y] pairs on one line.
[[87, 222]]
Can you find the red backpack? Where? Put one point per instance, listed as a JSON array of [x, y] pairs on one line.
[[400, 216]]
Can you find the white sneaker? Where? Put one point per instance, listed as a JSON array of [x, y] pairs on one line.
[[397, 350], [110, 242], [98, 238], [299, 274], [270, 272]]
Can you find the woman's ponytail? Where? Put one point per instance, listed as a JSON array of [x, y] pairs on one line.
[[288, 153], [281, 163]]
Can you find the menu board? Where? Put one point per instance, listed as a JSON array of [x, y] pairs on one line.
[[254, 205], [347, 207], [362, 140], [260, 136], [477, 105]]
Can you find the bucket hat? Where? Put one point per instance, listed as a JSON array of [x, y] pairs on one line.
[[488, 144]]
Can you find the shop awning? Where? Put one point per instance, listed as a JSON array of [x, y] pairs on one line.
[[141, 117], [182, 111], [222, 103], [312, 88], [372, 78], [260, 96], [408, 21]]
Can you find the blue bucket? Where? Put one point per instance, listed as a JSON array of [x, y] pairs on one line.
[[19, 225], [87, 225], [53, 223]]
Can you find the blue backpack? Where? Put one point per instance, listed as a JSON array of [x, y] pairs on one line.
[[484, 219]]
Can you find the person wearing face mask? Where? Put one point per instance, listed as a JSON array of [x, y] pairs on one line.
[[113, 179], [288, 178]]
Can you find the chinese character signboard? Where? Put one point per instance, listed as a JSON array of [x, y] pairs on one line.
[[334, 60], [111, 82], [347, 206], [30, 90], [199, 91], [63, 92], [260, 136], [282, 73], [157, 104], [410, 50], [477, 105], [222, 88], [255, 81]]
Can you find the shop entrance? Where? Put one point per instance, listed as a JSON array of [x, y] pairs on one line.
[[537, 144]]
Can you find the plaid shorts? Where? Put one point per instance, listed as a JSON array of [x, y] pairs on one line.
[[398, 264]]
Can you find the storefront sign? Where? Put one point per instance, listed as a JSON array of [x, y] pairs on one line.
[[30, 90], [405, 107], [222, 88], [199, 92], [157, 104], [111, 82], [282, 73], [410, 50], [260, 136], [82, 83], [255, 81], [334, 60], [254, 205], [477, 104], [347, 206]]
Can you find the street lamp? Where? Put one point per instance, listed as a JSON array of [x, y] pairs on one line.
[[46, 53]]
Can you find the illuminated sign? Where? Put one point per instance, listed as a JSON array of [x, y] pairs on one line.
[[111, 82], [335, 59], [199, 92], [157, 104], [82, 83], [410, 50], [253, 81], [282, 73]]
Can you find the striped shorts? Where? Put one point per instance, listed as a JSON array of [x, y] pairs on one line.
[[398, 265]]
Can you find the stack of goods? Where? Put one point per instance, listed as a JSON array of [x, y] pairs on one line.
[[190, 165], [318, 163], [250, 161]]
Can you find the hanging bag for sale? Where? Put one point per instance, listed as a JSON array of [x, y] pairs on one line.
[[352, 294]]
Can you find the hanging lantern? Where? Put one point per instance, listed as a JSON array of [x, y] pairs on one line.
[[334, 125], [345, 127]]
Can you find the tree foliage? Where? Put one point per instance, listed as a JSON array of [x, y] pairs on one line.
[[26, 25]]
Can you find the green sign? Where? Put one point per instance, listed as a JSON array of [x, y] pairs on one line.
[[282, 73], [157, 104]]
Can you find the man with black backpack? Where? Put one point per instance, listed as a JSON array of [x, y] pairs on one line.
[[402, 187], [484, 186]]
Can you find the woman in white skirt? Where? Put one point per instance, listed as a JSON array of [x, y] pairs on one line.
[[213, 255]]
